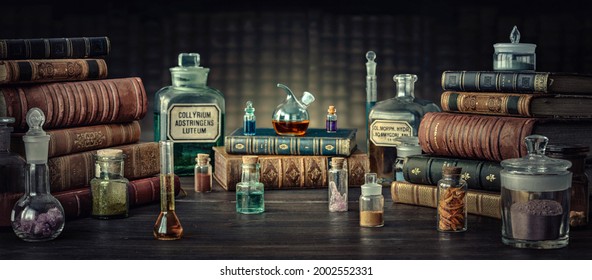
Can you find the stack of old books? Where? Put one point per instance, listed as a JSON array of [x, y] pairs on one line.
[[290, 162], [486, 117], [67, 79]]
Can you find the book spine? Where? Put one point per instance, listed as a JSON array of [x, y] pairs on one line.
[[427, 170], [263, 145], [76, 170], [487, 103], [474, 136], [79, 47], [478, 203], [69, 104], [85, 138], [490, 81], [51, 70]]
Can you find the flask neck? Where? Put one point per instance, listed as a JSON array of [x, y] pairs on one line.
[[184, 77], [250, 173], [36, 179]]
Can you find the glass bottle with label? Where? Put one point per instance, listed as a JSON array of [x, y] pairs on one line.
[[393, 118], [189, 113]]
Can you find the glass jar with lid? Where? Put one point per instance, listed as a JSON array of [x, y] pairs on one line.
[[535, 194]]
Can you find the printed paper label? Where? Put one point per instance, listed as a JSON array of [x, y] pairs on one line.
[[194, 123], [385, 133]]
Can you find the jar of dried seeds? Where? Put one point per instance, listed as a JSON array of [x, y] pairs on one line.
[[452, 201]]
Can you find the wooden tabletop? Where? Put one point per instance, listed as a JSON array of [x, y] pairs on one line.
[[295, 225]]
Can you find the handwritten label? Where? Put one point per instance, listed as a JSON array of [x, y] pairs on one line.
[[385, 133], [194, 122]]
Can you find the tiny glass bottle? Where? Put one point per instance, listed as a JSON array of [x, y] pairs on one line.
[[392, 118], [38, 215], [291, 118], [409, 147], [452, 201], [338, 185], [371, 203], [203, 173], [249, 191], [331, 120], [110, 198], [249, 120], [167, 226], [12, 172], [189, 113]]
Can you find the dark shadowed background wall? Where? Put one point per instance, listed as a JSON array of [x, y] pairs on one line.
[[318, 46]]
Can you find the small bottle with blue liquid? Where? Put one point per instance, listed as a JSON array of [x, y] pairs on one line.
[[249, 121]]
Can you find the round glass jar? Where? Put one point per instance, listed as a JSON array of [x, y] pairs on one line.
[[535, 194]]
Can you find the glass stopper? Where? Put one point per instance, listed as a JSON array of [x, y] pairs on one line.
[[249, 108], [307, 98], [370, 178], [189, 60], [370, 56], [6, 120], [35, 119], [515, 35], [536, 144]]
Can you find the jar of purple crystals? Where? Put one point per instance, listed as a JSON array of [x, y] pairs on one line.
[[535, 198]]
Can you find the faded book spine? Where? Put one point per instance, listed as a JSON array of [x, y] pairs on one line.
[[505, 104], [85, 138], [491, 81], [46, 48], [273, 145], [478, 203], [76, 170], [490, 138], [51, 70], [288, 172], [69, 104]]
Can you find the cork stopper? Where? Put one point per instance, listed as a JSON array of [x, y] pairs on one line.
[[250, 159], [109, 153], [331, 110], [451, 170], [202, 158], [337, 162]]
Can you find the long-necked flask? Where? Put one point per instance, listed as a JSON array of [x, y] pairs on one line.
[[167, 226]]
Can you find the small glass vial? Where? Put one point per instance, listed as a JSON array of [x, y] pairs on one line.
[[12, 172], [110, 198], [203, 173], [249, 192], [331, 120], [249, 120], [337, 185], [409, 146], [452, 201], [167, 226], [514, 56], [371, 203]]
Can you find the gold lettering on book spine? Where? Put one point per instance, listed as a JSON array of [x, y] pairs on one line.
[[540, 82]]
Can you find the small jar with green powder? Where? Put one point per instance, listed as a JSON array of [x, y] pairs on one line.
[[110, 198]]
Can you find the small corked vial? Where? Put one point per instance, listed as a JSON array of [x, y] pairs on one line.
[[109, 192], [249, 191], [331, 120], [452, 201], [338, 180], [203, 173]]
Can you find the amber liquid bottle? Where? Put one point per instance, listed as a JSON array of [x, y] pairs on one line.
[[168, 226], [296, 128]]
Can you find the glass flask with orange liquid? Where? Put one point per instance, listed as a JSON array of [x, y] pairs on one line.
[[291, 117]]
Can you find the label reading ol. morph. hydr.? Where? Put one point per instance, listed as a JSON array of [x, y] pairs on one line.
[[385, 133], [194, 123]]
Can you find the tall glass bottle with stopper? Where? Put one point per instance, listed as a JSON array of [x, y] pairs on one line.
[[371, 203], [12, 172], [203, 173], [110, 198], [452, 201], [249, 192], [189, 113], [393, 118], [167, 226], [338, 179], [38, 215]]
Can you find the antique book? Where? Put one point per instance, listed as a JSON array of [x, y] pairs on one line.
[[478, 202], [315, 142], [76, 170], [494, 138], [528, 82], [517, 104], [51, 70], [45, 48], [84, 138], [427, 170], [69, 104], [288, 172]]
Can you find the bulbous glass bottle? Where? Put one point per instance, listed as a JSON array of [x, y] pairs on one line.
[[291, 118]]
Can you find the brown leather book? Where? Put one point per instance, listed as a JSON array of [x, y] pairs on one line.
[[492, 137], [70, 104], [478, 202], [76, 170], [288, 171], [84, 138], [51, 70]]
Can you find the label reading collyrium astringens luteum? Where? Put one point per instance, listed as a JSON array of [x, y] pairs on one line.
[[194, 122], [385, 133]]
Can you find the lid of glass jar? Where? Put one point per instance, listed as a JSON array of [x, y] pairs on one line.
[[536, 163]]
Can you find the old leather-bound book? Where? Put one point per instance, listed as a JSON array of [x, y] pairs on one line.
[[70, 104], [51, 70], [46, 48]]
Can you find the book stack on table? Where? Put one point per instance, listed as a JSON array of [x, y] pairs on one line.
[[67, 79], [486, 117]]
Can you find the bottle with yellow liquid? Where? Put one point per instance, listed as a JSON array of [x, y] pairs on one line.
[[168, 226]]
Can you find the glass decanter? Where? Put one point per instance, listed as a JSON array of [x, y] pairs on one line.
[[189, 113], [37, 216], [12, 172], [291, 117], [392, 118]]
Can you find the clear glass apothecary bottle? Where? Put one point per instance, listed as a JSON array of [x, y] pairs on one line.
[[203, 173], [110, 197], [452, 201], [338, 185], [535, 194], [250, 191], [371, 203], [12, 172]]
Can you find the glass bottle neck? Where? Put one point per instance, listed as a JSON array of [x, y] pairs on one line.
[[405, 91], [36, 179], [250, 173], [183, 77], [109, 169], [4, 140]]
